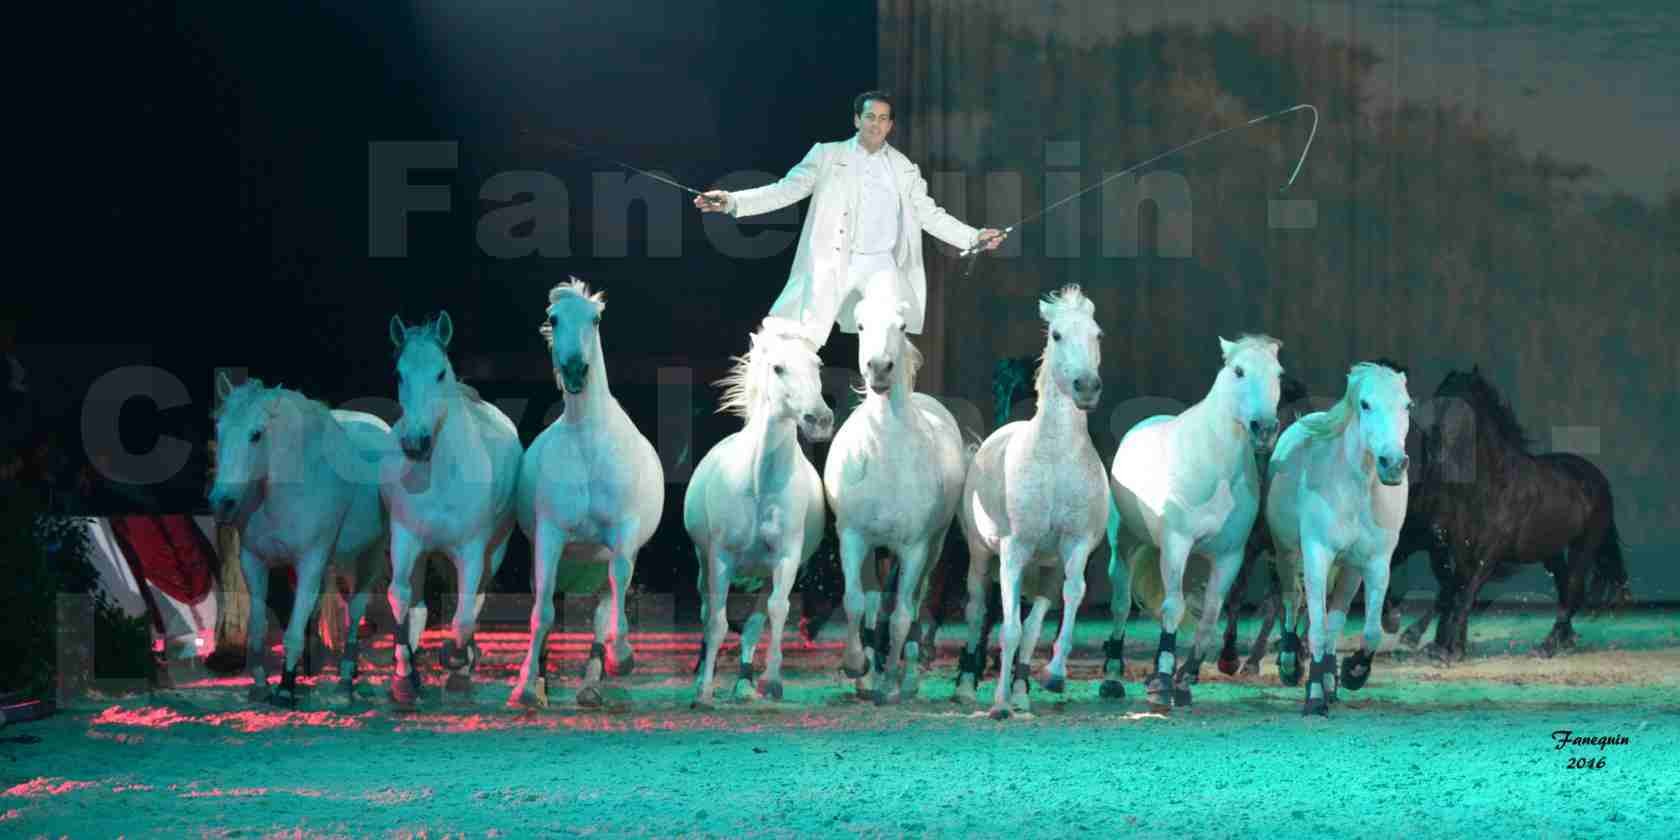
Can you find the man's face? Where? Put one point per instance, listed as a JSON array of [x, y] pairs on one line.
[[874, 123]]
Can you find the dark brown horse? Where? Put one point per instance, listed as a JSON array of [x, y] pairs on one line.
[[1497, 506]]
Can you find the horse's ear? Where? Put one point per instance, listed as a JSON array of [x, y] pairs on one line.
[[224, 385], [1044, 309], [445, 328], [398, 331], [1225, 347]]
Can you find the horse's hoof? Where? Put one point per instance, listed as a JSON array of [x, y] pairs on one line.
[[1289, 671], [403, 691], [1391, 621], [1112, 690], [1315, 706], [1159, 689], [1411, 640], [888, 698], [771, 689], [1181, 698], [458, 683], [589, 697], [855, 673], [1227, 665], [258, 693], [999, 713], [1251, 669], [283, 699], [745, 691], [535, 697], [702, 704], [623, 666], [1055, 684], [1356, 670]]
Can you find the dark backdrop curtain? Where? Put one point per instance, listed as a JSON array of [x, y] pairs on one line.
[[1440, 239]]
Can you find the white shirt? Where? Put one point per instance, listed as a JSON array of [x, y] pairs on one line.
[[878, 210]]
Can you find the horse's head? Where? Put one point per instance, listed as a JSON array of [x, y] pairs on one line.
[[1378, 393], [1250, 384], [573, 329], [1448, 426], [781, 376], [883, 342], [243, 443], [425, 383], [1073, 354]]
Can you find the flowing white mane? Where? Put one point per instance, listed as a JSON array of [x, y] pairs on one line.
[[1070, 300], [741, 387], [572, 287], [1249, 341], [1324, 424]]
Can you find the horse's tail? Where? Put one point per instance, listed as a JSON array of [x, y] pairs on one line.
[[1610, 578]]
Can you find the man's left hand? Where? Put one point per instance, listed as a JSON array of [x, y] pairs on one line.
[[990, 238]]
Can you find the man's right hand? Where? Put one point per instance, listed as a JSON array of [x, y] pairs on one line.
[[712, 201]]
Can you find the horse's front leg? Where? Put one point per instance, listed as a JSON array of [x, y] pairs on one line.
[[719, 571], [1175, 553], [1440, 565], [1315, 570], [912, 566], [972, 663], [548, 545], [1357, 669], [256, 623], [1119, 608], [1073, 594], [311, 568], [1224, 573], [1032, 626], [1014, 558], [621, 658], [362, 585], [404, 687], [746, 686], [1348, 580], [1290, 600], [460, 654], [781, 588], [854, 661]]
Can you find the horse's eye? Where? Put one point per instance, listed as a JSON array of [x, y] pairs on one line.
[[554, 320], [439, 377], [1238, 371], [1364, 405], [860, 326], [1055, 336], [780, 371], [256, 436]]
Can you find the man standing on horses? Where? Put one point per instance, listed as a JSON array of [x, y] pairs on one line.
[[869, 205]]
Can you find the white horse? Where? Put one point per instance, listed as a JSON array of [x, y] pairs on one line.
[[755, 503], [1036, 496], [1189, 484], [591, 491], [1338, 496], [893, 476], [452, 493], [301, 483]]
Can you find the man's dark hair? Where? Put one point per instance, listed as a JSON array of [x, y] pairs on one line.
[[881, 96]]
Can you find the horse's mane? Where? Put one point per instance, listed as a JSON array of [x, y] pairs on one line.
[[1069, 299], [572, 287], [740, 387], [248, 394], [1248, 341], [1329, 423], [1487, 402]]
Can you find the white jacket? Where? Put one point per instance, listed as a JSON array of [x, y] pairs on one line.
[[813, 295]]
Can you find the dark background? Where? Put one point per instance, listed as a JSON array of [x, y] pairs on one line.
[[221, 157]]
